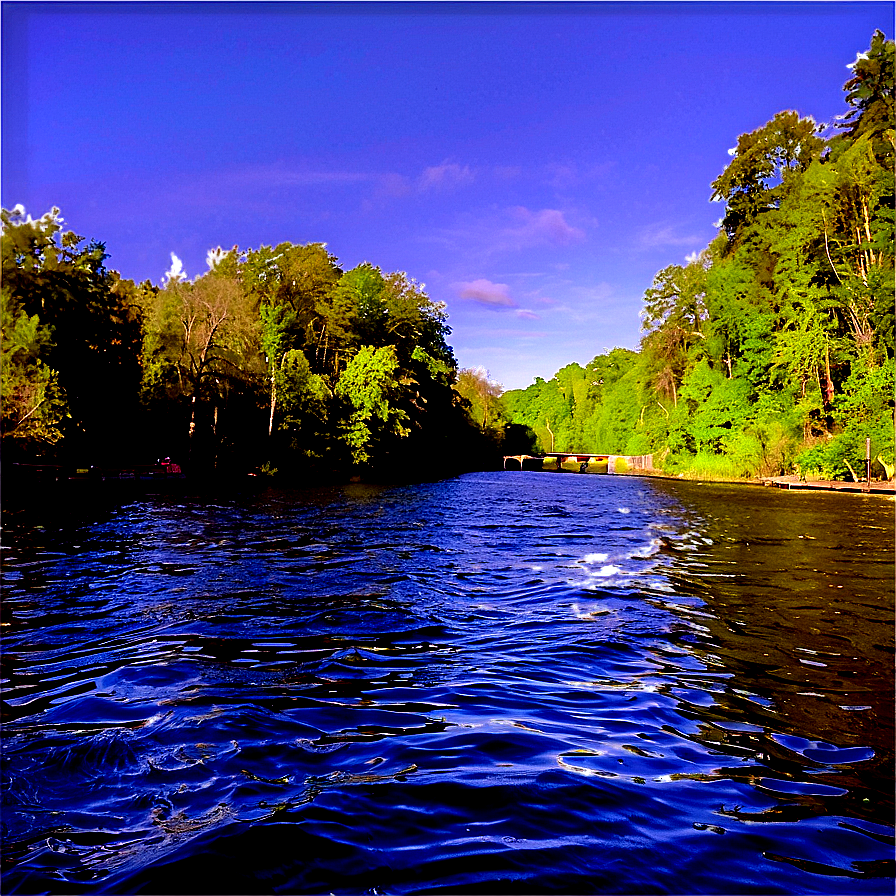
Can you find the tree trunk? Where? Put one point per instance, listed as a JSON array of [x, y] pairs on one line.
[[192, 430], [273, 403], [829, 388]]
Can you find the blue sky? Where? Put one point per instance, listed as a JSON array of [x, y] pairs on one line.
[[533, 164]]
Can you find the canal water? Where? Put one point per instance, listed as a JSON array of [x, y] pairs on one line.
[[500, 683]]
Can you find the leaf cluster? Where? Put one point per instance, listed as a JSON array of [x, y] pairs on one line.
[[772, 350]]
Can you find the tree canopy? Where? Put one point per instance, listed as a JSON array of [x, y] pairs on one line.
[[275, 357], [772, 350]]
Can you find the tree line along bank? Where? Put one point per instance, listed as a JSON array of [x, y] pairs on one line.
[[274, 359], [770, 351]]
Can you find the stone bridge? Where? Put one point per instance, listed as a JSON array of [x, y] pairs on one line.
[[578, 462]]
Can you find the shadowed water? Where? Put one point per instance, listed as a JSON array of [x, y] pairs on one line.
[[502, 683]]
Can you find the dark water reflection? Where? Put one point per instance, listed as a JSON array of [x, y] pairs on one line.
[[503, 683]]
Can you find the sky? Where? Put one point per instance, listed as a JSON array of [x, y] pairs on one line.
[[534, 165]]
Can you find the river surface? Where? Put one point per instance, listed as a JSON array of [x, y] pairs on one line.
[[500, 683]]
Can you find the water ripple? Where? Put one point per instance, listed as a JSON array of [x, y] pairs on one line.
[[499, 683]]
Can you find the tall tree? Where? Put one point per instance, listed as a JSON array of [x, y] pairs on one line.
[[203, 346], [869, 94], [290, 286], [765, 160], [95, 321]]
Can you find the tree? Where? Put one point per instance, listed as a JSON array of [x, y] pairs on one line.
[[764, 162], [34, 405], [62, 287], [854, 196], [276, 320], [354, 315], [368, 307], [290, 287], [370, 389], [869, 94], [202, 350], [304, 406], [674, 318], [482, 393]]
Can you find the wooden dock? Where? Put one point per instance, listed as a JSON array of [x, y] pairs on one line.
[[794, 482]]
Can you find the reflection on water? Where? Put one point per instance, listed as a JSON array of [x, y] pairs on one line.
[[503, 683]]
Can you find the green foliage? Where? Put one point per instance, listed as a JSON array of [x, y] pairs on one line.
[[864, 411], [76, 328], [353, 364], [772, 350], [869, 93], [273, 358], [368, 385], [483, 398], [717, 407], [583, 409], [34, 405], [766, 162], [304, 403]]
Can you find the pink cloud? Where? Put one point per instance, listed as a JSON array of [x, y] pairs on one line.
[[527, 315], [484, 292]]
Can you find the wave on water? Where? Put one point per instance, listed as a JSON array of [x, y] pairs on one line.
[[519, 683]]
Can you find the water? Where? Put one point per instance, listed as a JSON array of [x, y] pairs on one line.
[[502, 683]]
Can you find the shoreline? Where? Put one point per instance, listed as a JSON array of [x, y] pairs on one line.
[[790, 482]]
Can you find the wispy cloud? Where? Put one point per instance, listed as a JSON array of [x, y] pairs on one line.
[[569, 175], [545, 227], [280, 174], [446, 176], [484, 234], [656, 236]]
